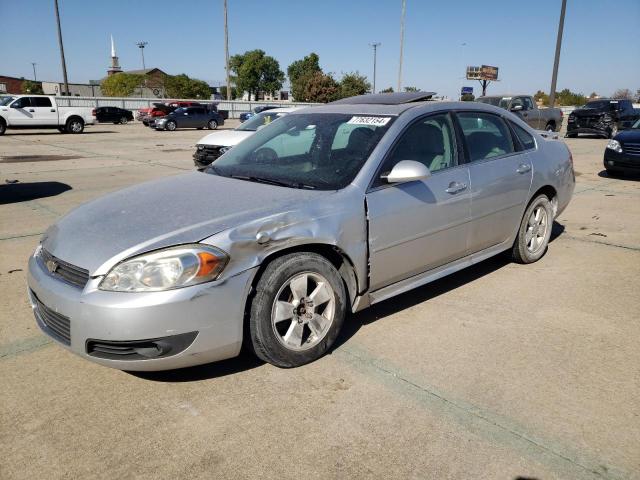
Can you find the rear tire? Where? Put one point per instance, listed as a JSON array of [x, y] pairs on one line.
[[212, 125], [3, 127], [298, 310], [534, 232], [550, 127], [74, 125], [124, 121]]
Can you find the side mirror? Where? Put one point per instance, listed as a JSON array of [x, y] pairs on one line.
[[517, 108], [185, 113], [407, 171]]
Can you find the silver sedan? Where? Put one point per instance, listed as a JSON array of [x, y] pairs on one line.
[[324, 212]]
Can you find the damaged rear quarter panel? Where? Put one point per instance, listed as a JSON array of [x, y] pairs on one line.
[[337, 220]]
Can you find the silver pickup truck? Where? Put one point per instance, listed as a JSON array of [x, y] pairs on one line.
[[549, 119]]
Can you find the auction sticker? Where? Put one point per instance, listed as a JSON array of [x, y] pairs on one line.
[[373, 121]]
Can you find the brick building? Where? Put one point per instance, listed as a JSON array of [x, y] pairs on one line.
[[10, 84]]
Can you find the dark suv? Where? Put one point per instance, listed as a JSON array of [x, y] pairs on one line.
[[189, 117], [604, 117]]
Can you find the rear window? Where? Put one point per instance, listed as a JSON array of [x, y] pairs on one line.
[[486, 135], [526, 139], [40, 102]]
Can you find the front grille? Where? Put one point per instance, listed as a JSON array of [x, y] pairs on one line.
[[76, 276], [632, 148], [55, 324]]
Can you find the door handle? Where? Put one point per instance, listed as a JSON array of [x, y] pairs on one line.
[[31, 110], [523, 168], [53, 109], [455, 187]]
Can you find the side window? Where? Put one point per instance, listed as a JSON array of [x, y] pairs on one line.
[[23, 102], [486, 135], [292, 142], [528, 104], [517, 102], [41, 101], [526, 139], [429, 140]]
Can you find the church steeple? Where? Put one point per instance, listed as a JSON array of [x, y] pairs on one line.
[[115, 65]]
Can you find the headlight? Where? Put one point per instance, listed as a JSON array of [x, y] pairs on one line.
[[174, 267], [224, 149], [615, 146], [200, 147]]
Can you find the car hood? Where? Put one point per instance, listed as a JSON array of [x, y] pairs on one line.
[[225, 138], [177, 210], [631, 135]]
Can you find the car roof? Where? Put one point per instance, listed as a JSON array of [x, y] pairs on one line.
[[393, 98]]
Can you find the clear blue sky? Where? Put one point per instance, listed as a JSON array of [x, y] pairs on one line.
[[601, 50]]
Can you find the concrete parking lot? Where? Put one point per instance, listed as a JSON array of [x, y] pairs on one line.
[[501, 371]]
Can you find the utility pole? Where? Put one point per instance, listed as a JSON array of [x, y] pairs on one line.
[[404, 8], [226, 51], [141, 46], [35, 77], [64, 63], [556, 61], [375, 46]]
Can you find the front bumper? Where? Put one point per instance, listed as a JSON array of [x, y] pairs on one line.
[[593, 131], [214, 311], [205, 157], [621, 162]]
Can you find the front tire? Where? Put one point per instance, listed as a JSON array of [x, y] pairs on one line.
[[212, 125], [3, 127], [535, 231], [124, 120], [171, 126], [298, 310]]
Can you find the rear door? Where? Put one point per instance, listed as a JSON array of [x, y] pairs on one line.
[[44, 113], [420, 225], [500, 171]]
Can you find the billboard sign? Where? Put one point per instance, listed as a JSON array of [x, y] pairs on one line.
[[473, 73], [489, 73]]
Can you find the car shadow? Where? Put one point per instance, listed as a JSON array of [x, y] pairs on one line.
[[628, 177], [23, 192], [247, 361], [54, 132]]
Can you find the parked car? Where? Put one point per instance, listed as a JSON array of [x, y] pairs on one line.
[[325, 211], [113, 115], [41, 111], [189, 117], [210, 147], [244, 116], [142, 113], [603, 117], [549, 119], [158, 110], [622, 154]]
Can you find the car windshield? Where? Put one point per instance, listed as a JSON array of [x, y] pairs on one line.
[[602, 105], [180, 111], [259, 120], [321, 151], [6, 100], [502, 102]]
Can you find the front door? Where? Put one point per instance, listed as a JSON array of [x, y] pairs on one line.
[[501, 172], [21, 112], [420, 225]]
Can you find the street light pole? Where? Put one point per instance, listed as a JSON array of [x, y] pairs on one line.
[[64, 63], [226, 51], [556, 61], [141, 46], [404, 8], [375, 46], [35, 77]]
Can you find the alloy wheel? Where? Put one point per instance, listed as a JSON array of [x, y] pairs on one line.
[[536, 232]]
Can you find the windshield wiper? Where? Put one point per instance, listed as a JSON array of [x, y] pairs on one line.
[[269, 181]]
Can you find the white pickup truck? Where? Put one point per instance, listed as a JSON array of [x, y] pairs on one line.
[[42, 111]]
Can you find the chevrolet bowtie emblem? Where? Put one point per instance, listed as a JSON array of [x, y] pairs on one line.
[[51, 266]]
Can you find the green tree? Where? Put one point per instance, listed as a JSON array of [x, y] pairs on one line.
[[320, 87], [121, 84], [541, 97], [255, 72], [302, 69], [223, 92], [567, 97], [387, 90], [35, 88], [353, 84], [411, 89], [181, 86]]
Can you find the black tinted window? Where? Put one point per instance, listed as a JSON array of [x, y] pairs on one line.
[[486, 135], [40, 102], [526, 139], [23, 102]]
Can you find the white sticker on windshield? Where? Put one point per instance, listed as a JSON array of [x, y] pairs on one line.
[[373, 121]]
